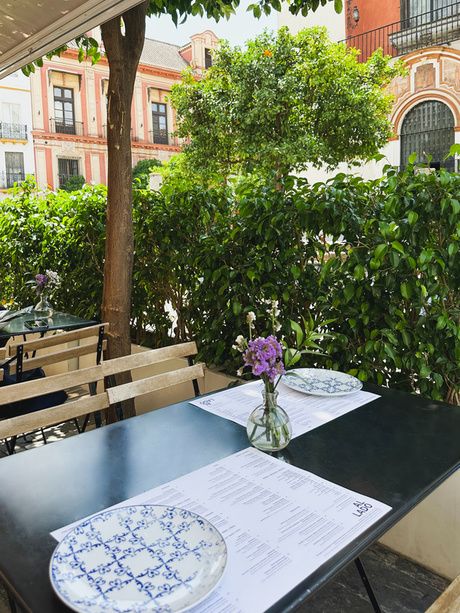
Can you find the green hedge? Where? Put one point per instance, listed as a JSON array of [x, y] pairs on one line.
[[378, 260]]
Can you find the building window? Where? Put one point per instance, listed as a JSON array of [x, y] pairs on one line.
[[207, 58], [428, 130], [160, 123], [427, 11], [66, 168], [64, 114], [14, 168]]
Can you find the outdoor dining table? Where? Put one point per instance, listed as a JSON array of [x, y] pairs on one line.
[[397, 449], [58, 321]]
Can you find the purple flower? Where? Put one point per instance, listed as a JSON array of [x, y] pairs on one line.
[[41, 281], [265, 357]]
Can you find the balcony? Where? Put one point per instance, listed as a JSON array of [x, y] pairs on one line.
[[134, 139], [13, 131], [75, 128], [162, 137], [8, 178], [439, 26]]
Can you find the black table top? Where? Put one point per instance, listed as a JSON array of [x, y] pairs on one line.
[[58, 321], [396, 449]]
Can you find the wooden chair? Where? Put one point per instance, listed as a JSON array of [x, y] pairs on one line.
[[26, 360], [112, 395], [22, 356], [449, 601]]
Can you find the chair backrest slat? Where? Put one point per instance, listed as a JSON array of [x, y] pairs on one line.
[[57, 339], [127, 391], [92, 374], [47, 417], [55, 415], [58, 356]]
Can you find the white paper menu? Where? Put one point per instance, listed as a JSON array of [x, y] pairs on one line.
[[280, 524], [305, 412]]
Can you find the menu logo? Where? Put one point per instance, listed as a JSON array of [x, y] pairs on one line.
[[361, 508]]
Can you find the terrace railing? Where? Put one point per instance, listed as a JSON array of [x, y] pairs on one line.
[[75, 128], [436, 27], [162, 137], [13, 131]]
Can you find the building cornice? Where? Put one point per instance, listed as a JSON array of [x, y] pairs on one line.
[[158, 71], [52, 136]]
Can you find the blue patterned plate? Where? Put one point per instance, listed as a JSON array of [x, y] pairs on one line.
[[138, 559], [321, 382]]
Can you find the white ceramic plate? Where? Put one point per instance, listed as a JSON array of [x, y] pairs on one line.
[[321, 382], [138, 559]]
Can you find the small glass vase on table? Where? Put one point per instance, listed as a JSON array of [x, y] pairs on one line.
[[268, 427], [44, 283], [43, 306]]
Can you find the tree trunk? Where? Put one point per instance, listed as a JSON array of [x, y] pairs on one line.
[[123, 50]]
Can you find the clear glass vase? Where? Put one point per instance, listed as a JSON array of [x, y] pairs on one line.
[[43, 307], [269, 427]]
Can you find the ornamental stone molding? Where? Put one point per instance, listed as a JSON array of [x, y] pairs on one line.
[[433, 74]]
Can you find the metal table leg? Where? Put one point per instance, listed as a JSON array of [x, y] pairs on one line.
[[367, 585]]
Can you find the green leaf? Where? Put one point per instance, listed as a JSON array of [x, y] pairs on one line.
[[454, 150], [291, 357], [380, 251], [236, 307], [359, 272], [349, 291], [425, 371], [406, 290], [298, 333], [452, 249], [442, 322], [338, 6], [398, 247]]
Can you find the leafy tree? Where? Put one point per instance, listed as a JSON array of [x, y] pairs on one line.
[[283, 102], [123, 40]]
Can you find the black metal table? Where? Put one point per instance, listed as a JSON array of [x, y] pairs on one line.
[[59, 321], [396, 449]]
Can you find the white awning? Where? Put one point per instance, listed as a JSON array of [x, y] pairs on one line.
[[31, 28]]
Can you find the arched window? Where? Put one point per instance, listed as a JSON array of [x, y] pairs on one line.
[[428, 129]]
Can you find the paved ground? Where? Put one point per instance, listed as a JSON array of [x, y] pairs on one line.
[[400, 585]]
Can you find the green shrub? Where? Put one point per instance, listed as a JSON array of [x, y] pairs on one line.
[[59, 231], [73, 183], [378, 260], [142, 170]]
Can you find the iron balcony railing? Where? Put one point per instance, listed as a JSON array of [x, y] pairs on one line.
[[435, 27], [14, 131], [9, 178], [134, 139], [59, 126], [162, 137]]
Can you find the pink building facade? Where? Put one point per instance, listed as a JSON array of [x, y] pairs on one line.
[[69, 115]]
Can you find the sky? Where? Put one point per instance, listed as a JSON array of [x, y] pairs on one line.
[[239, 28]]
